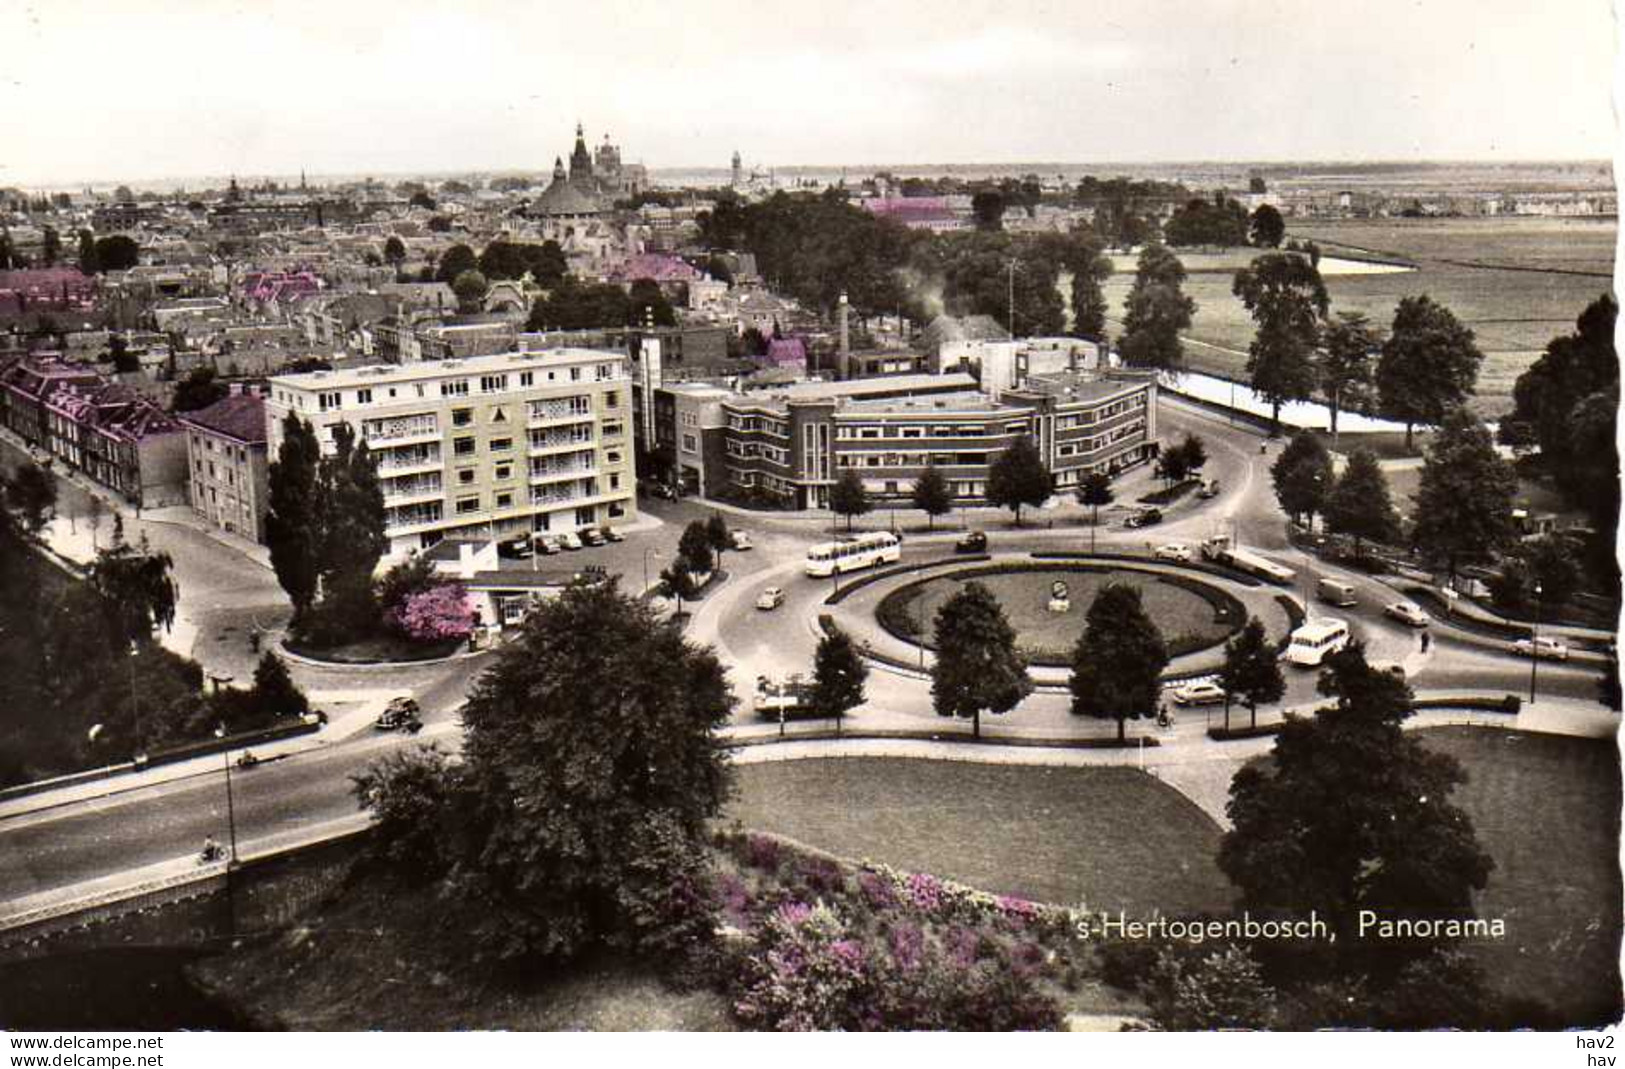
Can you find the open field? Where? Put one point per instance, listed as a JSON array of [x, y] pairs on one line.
[[1514, 313], [1113, 838], [1547, 810]]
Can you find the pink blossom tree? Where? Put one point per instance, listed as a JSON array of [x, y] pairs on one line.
[[442, 611]]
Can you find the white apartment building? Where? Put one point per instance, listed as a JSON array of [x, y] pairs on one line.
[[486, 446]]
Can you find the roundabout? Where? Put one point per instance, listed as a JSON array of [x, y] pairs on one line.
[[1048, 603]]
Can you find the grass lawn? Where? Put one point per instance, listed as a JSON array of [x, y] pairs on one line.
[[1187, 621], [1513, 313], [1111, 838], [1546, 808]]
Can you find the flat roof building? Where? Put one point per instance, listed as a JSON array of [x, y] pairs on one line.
[[493, 446]]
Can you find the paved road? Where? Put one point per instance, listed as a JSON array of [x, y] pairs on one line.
[[82, 840]]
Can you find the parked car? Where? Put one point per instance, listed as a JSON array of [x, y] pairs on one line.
[[1407, 612], [545, 544], [1174, 551], [739, 540], [1144, 517], [591, 575], [1546, 649], [400, 714], [1209, 489], [515, 548], [662, 491], [612, 535], [974, 542], [770, 599], [1203, 693], [569, 540], [590, 537]]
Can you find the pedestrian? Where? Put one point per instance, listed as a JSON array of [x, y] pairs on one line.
[[1426, 640]]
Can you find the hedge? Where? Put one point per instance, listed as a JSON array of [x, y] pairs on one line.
[[1215, 570], [1171, 494], [1218, 733], [859, 583], [894, 618], [1508, 703]]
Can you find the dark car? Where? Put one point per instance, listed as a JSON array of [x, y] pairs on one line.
[[401, 714], [515, 548], [1144, 517], [975, 542], [545, 545], [591, 536]]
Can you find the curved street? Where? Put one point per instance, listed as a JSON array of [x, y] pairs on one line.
[[61, 842]]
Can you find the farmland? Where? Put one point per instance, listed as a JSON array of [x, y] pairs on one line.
[[1507, 279]]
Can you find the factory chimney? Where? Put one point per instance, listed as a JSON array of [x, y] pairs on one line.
[[842, 311]]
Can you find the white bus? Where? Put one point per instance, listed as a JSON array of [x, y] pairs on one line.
[[864, 551], [1316, 640]]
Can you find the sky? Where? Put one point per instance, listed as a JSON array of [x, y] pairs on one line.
[[98, 90]]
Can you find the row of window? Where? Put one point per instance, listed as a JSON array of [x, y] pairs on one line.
[[908, 460], [848, 432], [747, 450], [759, 423], [332, 400]]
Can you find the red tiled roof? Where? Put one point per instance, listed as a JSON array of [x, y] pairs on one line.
[[240, 416]]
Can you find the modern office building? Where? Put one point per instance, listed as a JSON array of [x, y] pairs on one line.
[[792, 444], [489, 446]]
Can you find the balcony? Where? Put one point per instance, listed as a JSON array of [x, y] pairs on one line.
[[411, 459], [401, 429], [559, 410]]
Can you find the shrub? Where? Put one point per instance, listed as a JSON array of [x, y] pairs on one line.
[[440, 612]]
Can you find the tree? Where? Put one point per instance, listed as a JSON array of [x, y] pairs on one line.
[[291, 530], [694, 546], [839, 675], [1090, 268], [1303, 477], [470, 288], [1346, 366], [349, 524], [1095, 491], [52, 250], [1195, 451], [932, 495], [677, 581], [440, 613], [578, 818], [649, 304], [717, 536], [977, 666], [1018, 477], [394, 252], [1359, 505], [421, 199], [1286, 297], [117, 253], [1267, 227], [439, 224], [29, 495], [1568, 403], [848, 497], [573, 305], [1464, 502], [1219, 221], [1553, 567], [1251, 671], [1220, 988], [88, 262], [138, 593], [199, 389], [1429, 364], [275, 693], [1352, 813], [1172, 466], [1118, 660], [987, 206], [454, 261], [1155, 311]]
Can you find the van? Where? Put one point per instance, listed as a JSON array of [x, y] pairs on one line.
[[1335, 592], [1316, 640]]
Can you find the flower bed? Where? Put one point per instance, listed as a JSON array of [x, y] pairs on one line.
[[817, 944]]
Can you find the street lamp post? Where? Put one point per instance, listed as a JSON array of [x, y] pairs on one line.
[[1534, 645], [646, 551], [135, 704], [231, 831]]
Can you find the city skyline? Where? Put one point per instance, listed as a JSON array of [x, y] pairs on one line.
[[787, 86]]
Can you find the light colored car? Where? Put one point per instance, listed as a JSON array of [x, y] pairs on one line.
[[1174, 551], [771, 598], [1407, 612], [1546, 649], [740, 540], [569, 540], [1203, 693]]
